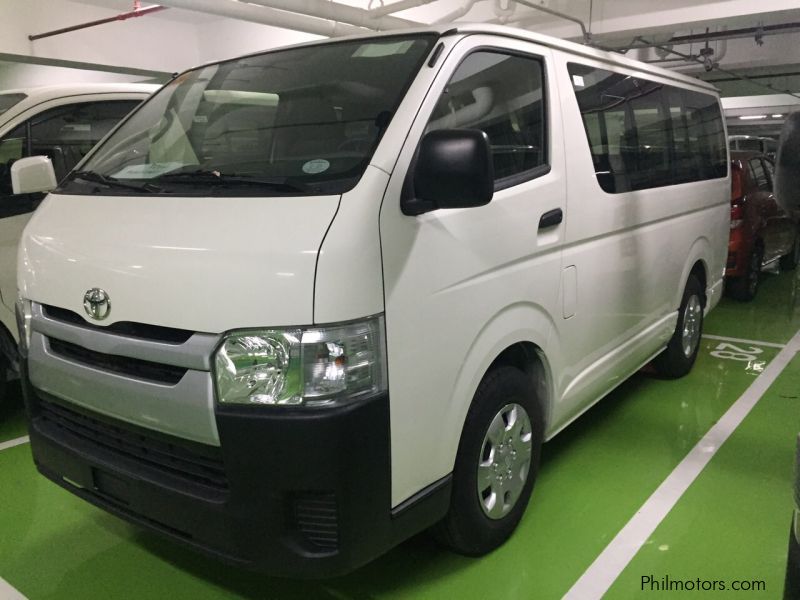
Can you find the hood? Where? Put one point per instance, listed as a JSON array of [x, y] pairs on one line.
[[203, 264]]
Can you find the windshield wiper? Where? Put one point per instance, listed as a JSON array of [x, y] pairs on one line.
[[113, 182], [216, 178]]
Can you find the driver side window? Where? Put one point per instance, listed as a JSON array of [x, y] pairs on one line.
[[67, 133], [502, 95]]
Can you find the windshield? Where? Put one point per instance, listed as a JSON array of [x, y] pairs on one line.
[[9, 100], [297, 121]]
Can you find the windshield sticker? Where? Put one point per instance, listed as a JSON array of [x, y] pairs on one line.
[[380, 50], [319, 165], [147, 171]]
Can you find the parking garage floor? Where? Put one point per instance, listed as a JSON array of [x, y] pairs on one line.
[[638, 488]]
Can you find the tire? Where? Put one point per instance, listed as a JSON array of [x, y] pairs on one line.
[[477, 523], [789, 261], [745, 288], [678, 357]]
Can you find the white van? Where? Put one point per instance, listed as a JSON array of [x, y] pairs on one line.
[[62, 122], [304, 304]]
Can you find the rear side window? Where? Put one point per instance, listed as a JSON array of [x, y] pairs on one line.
[[643, 134], [502, 95]]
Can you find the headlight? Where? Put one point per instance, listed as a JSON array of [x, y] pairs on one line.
[[310, 366], [23, 312]]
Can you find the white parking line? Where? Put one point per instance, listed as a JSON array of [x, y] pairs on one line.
[[9, 593], [15, 442], [742, 341], [602, 573]]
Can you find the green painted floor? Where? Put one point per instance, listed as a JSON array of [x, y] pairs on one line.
[[732, 523]]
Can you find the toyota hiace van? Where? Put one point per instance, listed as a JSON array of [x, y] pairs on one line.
[[303, 304], [62, 122]]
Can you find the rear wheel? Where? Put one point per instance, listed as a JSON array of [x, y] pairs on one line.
[[678, 357], [496, 464], [744, 288], [789, 261]]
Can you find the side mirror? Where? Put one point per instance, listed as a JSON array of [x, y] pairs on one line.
[[33, 174], [787, 164], [453, 169]]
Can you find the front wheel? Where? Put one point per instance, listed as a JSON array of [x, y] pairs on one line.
[[678, 357], [496, 464]]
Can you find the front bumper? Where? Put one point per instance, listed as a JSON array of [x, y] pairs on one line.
[[287, 492]]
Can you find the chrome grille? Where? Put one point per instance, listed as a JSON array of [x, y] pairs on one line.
[[159, 385], [130, 367], [143, 331]]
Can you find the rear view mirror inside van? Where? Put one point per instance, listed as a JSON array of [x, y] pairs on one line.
[[453, 170]]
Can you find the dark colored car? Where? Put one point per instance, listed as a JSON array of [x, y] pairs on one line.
[[763, 228]]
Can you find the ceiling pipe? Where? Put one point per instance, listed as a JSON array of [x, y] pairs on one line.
[[692, 58], [587, 36], [711, 57], [137, 12], [334, 11], [457, 13], [388, 9], [745, 32], [504, 14], [266, 16], [730, 34]]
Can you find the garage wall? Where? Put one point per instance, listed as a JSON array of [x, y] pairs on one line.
[[227, 38], [143, 43]]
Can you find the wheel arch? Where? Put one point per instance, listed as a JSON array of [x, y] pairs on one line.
[[516, 336], [698, 260]]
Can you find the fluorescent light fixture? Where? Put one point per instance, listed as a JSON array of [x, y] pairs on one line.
[[752, 117], [776, 116]]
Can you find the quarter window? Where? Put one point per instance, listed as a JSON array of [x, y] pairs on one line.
[[502, 95]]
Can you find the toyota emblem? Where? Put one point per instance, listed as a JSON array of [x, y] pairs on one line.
[[97, 304]]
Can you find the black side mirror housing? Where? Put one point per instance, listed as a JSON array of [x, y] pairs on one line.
[[453, 169], [787, 167]]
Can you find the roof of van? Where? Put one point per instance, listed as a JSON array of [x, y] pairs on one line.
[[47, 92], [616, 58], [34, 96], [612, 58]]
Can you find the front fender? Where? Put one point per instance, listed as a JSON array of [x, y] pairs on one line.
[[516, 323]]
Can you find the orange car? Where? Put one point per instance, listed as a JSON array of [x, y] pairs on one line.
[[763, 230]]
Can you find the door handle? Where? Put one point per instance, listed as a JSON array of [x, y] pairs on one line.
[[551, 218]]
